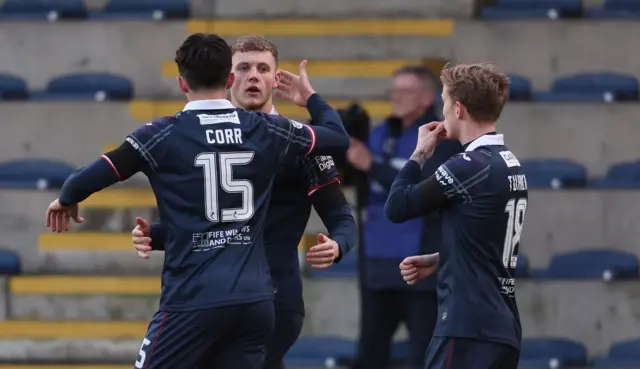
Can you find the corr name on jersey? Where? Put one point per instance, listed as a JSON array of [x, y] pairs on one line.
[[224, 136]]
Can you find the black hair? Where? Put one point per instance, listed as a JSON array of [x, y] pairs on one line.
[[204, 61]]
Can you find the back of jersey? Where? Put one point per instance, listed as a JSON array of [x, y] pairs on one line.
[[481, 237], [212, 168]]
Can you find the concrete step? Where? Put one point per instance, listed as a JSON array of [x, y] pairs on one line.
[[79, 350], [82, 308], [99, 262], [335, 8]]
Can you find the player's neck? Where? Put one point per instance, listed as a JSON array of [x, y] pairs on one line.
[[475, 130], [207, 95]]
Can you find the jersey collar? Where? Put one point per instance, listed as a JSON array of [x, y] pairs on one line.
[[274, 111], [486, 140], [219, 104]]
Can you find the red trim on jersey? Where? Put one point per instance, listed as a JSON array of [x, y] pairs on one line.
[[313, 139], [449, 352], [112, 166], [316, 188], [155, 340]]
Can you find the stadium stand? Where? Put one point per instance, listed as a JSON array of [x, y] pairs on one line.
[[71, 88]]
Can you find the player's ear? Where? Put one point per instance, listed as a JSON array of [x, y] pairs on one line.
[[182, 84], [459, 110], [232, 78], [277, 77]]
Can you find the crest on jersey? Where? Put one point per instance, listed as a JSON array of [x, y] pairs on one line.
[[298, 125], [510, 159]]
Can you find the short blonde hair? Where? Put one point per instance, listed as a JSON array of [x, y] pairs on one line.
[[246, 44], [481, 88]]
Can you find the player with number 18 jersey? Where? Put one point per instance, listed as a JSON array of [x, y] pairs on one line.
[[482, 195]]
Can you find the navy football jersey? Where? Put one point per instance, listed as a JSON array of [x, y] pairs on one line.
[[482, 224], [211, 168], [287, 219]]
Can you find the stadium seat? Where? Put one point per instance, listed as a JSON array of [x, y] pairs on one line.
[[34, 174], [321, 351], [621, 355], [13, 88], [144, 9], [554, 353], [532, 9], [9, 263], [347, 267], [87, 86], [591, 264], [51, 10], [619, 176], [520, 88], [554, 173], [616, 9], [591, 87], [400, 354]]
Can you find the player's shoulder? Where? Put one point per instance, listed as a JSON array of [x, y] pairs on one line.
[[466, 164], [158, 126]]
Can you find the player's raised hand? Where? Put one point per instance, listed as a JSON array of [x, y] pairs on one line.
[[429, 136], [140, 238], [322, 255], [415, 268], [59, 217], [295, 88]]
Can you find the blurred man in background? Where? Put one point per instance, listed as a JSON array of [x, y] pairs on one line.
[[386, 299]]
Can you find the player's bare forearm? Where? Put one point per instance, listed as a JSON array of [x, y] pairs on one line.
[[87, 181], [419, 157], [330, 135], [156, 233], [410, 198], [332, 207]]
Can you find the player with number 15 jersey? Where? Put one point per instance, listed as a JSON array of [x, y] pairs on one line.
[[211, 168], [482, 194]]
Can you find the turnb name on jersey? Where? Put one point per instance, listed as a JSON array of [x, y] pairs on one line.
[[518, 182]]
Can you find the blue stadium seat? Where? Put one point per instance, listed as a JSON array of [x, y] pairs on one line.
[[34, 174], [592, 87], [592, 264], [13, 88], [9, 263], [43, 9], [622, 355], [87, 86], [320, 351], [554, 173], [522, 268], [520, 88], [619, 176], [552, 353], [347, 267], [532, 9], [144, 9], [400, 354]]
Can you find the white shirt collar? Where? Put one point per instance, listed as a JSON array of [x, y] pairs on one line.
[[274, 111], [219, 104], [486, 140]]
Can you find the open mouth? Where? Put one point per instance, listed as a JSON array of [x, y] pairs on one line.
[[253, 90]]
